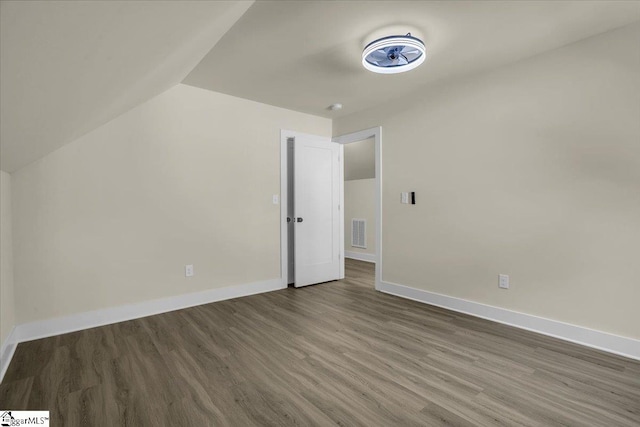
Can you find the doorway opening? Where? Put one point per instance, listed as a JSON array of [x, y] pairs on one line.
[[312, 232], [359, 207], [374, 134]]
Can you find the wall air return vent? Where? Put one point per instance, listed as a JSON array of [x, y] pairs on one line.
[[359, 233]]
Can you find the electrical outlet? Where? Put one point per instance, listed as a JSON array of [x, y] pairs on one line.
[[404, 198], [503, 281], [188, 270], [276, 199]]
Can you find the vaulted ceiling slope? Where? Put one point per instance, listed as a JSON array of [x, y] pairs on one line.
[[67, 67], [307, 55]]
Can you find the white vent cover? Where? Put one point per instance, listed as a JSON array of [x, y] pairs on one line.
[[359, 233]]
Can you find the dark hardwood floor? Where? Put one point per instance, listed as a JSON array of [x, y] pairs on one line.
[[335, 353]]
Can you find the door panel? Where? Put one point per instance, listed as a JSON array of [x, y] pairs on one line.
[[316, 208]]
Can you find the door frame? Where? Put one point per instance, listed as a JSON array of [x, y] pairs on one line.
[[376, 134]]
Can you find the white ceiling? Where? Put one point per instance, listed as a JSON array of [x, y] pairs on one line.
[[306, 55], [66, 67]]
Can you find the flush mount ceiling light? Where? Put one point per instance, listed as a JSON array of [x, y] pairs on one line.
[[393, 54]]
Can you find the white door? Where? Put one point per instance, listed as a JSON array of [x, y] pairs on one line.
[[316, 210]]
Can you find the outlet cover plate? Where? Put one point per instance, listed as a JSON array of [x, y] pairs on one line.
[[503, 281]]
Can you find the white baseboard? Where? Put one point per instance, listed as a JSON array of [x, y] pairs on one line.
[[604, 341], [6, 352], [91, 319], [360, 256]]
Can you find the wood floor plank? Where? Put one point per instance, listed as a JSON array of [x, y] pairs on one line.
[[335, 353], [15, 394], [50, 388]]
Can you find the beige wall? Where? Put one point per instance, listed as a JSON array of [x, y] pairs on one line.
[[186, 178], [360, 160], [359, 202], [532, 170], [7, 312]]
